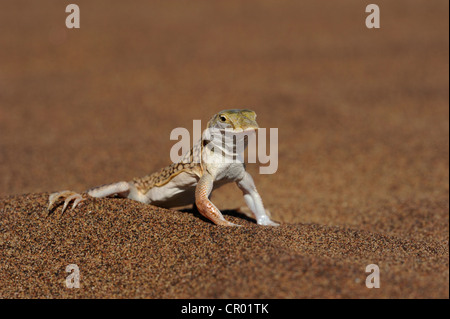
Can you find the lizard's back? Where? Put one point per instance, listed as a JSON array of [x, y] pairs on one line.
[[173, 185]]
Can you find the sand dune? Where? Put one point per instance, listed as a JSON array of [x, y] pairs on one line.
[[128, 249]]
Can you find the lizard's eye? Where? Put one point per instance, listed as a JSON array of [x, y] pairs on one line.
[[222, 118]]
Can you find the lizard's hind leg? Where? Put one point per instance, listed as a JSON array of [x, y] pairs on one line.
[[67, 196], [120, 189]]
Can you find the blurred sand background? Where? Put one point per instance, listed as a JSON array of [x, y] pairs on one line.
[[363, 120]]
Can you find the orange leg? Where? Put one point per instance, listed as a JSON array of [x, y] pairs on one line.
[[204, 205]]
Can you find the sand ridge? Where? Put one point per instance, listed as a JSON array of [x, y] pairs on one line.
[[126, 249]]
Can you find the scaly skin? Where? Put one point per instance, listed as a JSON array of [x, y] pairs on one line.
[[193, 178]]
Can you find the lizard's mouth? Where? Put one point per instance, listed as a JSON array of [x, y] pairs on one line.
[[247, 129], [240, 131]]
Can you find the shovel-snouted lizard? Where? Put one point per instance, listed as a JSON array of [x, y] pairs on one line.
[[193, 178]]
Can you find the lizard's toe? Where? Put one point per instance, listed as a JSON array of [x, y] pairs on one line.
[[67, 196], [77, 198], [225, 222]]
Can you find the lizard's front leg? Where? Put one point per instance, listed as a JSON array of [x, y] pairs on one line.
[[254, 201], [204, 205]]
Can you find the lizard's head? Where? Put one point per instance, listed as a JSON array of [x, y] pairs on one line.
[[234, 120]]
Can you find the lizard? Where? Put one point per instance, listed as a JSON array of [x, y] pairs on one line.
[[192, 179]]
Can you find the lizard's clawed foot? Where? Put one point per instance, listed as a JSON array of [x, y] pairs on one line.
[[262, 220], [267, 222], [227, 223], [67, 196]]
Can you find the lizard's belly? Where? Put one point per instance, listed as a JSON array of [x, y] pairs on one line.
[[179, 191]]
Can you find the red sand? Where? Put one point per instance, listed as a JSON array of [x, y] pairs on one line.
[[363, 121]]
